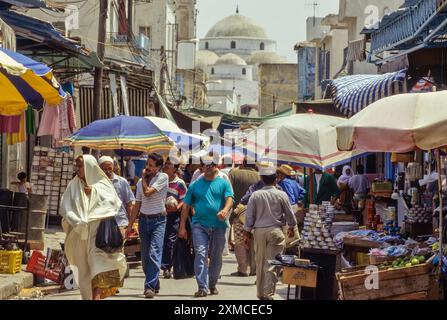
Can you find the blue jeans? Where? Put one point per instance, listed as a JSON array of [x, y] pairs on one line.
[[171, 234], [206, 240], [152, 232]]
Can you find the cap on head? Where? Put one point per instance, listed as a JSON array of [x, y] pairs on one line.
[[104, 159], [266, 168]]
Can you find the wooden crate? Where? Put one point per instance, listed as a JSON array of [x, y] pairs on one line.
[[302, 277], [362, 243], [380, 259], [392, 283], [418, 229], [423, 295], [362, 258], [343, 218]]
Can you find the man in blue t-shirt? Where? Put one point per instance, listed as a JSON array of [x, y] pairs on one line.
[[212, 199]]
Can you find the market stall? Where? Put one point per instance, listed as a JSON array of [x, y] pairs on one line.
[[26, 85], [410, 122]]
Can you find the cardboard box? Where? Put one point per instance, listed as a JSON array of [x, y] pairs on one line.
[[302, 277]]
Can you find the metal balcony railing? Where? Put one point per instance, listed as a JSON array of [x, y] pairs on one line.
[[117, 39], [406, 26]]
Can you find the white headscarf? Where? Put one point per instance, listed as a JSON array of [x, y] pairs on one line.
[[79, 209], [344, 178]]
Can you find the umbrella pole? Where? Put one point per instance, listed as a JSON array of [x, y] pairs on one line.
[[122, 161], [441, 206], [311, 185]]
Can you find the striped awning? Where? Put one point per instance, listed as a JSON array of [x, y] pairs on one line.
[[353, 93]]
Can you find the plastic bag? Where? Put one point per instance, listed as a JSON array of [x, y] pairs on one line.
[[183, 261], [109, 238]]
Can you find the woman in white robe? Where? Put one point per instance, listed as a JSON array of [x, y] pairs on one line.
[[89, 198]]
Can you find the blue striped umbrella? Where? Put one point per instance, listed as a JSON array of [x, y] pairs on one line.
[[24, 82], [122, 132]]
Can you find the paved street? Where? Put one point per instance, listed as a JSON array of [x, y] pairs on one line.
[[230, 288]]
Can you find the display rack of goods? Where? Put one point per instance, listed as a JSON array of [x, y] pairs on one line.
[[317, 228], [50, 173], [382, 187], [418, 214]]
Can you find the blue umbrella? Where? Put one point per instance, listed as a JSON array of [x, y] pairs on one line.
[[122, 132]]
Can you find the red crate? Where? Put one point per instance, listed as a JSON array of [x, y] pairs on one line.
[[37, 266]]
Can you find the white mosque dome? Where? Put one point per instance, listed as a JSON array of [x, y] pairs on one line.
[[205, 58], [231, 59], [265, 57], [236, 26]]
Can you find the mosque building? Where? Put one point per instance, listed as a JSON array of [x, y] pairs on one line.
[[230, 54]]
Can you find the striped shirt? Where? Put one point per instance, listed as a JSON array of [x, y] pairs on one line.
[[155, 203], [177, 189]]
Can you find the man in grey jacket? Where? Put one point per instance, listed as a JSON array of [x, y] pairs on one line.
[[268, 210]]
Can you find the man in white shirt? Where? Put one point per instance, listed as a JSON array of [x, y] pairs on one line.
[[150, 207]]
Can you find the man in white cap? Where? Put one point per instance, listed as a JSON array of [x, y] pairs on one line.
[[268, 210], [123, 190]]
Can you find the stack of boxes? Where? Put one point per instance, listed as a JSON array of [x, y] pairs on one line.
[[50, 173]]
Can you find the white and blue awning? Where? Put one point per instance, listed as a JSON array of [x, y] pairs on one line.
[[351, 94]]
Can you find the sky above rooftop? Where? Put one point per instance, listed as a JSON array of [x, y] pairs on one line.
[[283, 20]]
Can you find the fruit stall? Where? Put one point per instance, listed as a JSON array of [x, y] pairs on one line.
[[404, 279]]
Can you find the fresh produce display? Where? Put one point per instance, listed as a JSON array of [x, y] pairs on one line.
[[405, 262]]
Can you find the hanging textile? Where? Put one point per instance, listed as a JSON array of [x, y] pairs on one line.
[[9, 124], [356, 50], [14, 138], [64, 123], [68, 87], [49, 122], [71, 114], [30, 121]]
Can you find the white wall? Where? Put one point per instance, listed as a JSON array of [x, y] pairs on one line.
[[221, 103], [230, 72], [359, 14], [248, 90], [337, 44], [244, 46], [314, 29]]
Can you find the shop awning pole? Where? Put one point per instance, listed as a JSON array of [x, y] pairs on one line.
[[441, 206], [122, 161]]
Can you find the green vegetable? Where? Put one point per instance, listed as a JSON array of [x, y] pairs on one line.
[[415, 261]]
